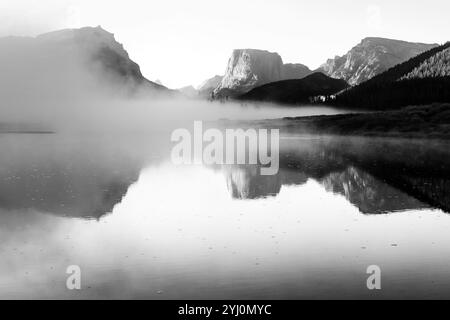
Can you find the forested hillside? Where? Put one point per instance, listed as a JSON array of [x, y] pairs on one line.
[[436, 66], [423, 79]]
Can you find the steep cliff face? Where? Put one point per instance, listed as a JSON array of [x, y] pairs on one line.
[[251, 68], [371, 57], [247, 69]]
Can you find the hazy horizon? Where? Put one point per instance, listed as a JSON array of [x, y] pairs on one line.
[[184, 44]]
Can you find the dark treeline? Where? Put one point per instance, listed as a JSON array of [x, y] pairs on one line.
[[386, 91], [296, 91], [382, 96]]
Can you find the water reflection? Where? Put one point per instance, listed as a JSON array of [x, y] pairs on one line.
[[166, 231], [66, 175], [375, 175], [88, 192], [368, 194]]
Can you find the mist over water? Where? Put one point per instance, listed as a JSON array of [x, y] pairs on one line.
[[101, 192], [56, 83], [141, 115], [141, 227]]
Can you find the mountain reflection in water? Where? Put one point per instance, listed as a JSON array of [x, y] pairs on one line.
[[368, 194], [375, 175], [141, 227], [67, 175]]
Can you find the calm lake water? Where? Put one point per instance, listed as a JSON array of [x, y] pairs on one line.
[[142, 227]]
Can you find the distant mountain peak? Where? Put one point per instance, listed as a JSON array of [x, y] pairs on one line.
[[88, 37], [206, 88], [213, 81], [387, 40], [71, 33], [250, 68], [372, 56], [189, 91], [92, 51], [423, 79]]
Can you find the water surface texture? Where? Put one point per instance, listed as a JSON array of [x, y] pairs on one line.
[[141, 227]]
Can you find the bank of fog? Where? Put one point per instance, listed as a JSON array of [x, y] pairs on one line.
[[56, 89]]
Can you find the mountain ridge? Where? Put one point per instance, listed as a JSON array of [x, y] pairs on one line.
[[296, 91], [89, 50], [370, 57], [391, 89], [206, 88]]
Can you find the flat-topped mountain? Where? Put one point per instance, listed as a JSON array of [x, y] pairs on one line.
[[250, 68], [298, 91], [371, 57]]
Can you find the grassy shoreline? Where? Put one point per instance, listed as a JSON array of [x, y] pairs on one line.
[[431, 122]]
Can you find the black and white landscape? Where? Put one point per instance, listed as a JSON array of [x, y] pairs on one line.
[[93, 206]]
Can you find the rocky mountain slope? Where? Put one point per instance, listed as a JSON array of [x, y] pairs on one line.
[[421, 80], [371, 57], [250, 68], [298, 91], [208, 86]]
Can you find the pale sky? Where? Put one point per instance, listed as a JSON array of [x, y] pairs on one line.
[[184, 42]]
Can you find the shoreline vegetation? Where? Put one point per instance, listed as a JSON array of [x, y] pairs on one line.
[[429, 122]]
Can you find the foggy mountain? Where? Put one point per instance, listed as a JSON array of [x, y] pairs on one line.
[[189, 91], [63, 62], [371, 57], [250, 68]]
